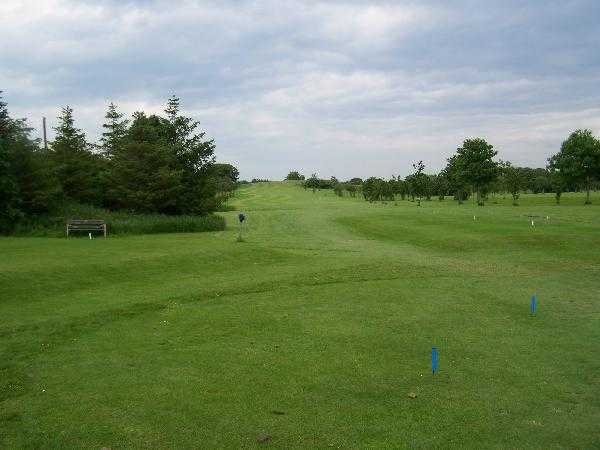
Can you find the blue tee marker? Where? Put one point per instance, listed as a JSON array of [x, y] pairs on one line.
[[434, 360], [533, 303]]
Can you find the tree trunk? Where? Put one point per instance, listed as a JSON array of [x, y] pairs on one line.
[[479, 201]]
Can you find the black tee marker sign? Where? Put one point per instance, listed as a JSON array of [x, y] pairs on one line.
[[241, 218]]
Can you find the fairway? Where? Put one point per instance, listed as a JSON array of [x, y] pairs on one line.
[[315, 332]]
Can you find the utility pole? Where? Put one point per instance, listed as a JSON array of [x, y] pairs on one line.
[[45, 140]]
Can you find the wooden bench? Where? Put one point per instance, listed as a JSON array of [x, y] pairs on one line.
[[86, 225]]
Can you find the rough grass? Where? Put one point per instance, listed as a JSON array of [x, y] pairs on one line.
[[121, 223], [313, 331]]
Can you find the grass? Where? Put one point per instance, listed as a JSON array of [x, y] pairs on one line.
[[313, 331], [120, 223]]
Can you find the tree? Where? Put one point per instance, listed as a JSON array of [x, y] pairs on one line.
[[27, 186], [195, 156], [558, 184], [440, 185], [116, 130], [401, 188], [157, 164], [75, 166], [514, 180], [338, 189], [476, 166], [312, 183], [5, 121], [541, 181], [388, 190], [145, 175], [375, 189], [430, 186], [228, 171], [9, 189], [187, 143], [294, 176], [457, 184], [351, 188], [419, 181], [397, 185], [226, 178], [578, 160]]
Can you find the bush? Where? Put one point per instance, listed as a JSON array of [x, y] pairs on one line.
[[120, 223]]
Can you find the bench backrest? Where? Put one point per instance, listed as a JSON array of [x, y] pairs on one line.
[[86, 225], [86, 222]]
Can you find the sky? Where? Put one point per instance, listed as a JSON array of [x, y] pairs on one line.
[[338, 88]]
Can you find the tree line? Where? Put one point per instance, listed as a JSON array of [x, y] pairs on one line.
[[146, 164], [473, 170]]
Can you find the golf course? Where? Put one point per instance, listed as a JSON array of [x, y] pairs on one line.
[[314, 331]]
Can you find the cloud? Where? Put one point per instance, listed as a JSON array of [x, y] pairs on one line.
[[339, 87]]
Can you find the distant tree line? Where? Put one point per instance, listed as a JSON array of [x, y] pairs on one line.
[[473, 170], [149, 164]]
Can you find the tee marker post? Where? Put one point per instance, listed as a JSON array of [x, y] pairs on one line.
[[434, 360], [241, 218], [533, 304]]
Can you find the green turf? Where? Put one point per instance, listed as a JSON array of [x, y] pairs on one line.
[[313, 331]]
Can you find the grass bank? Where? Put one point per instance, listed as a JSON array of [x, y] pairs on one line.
[[315, 332]]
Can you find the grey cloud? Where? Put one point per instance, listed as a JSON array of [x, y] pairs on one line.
[[342, 88]]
